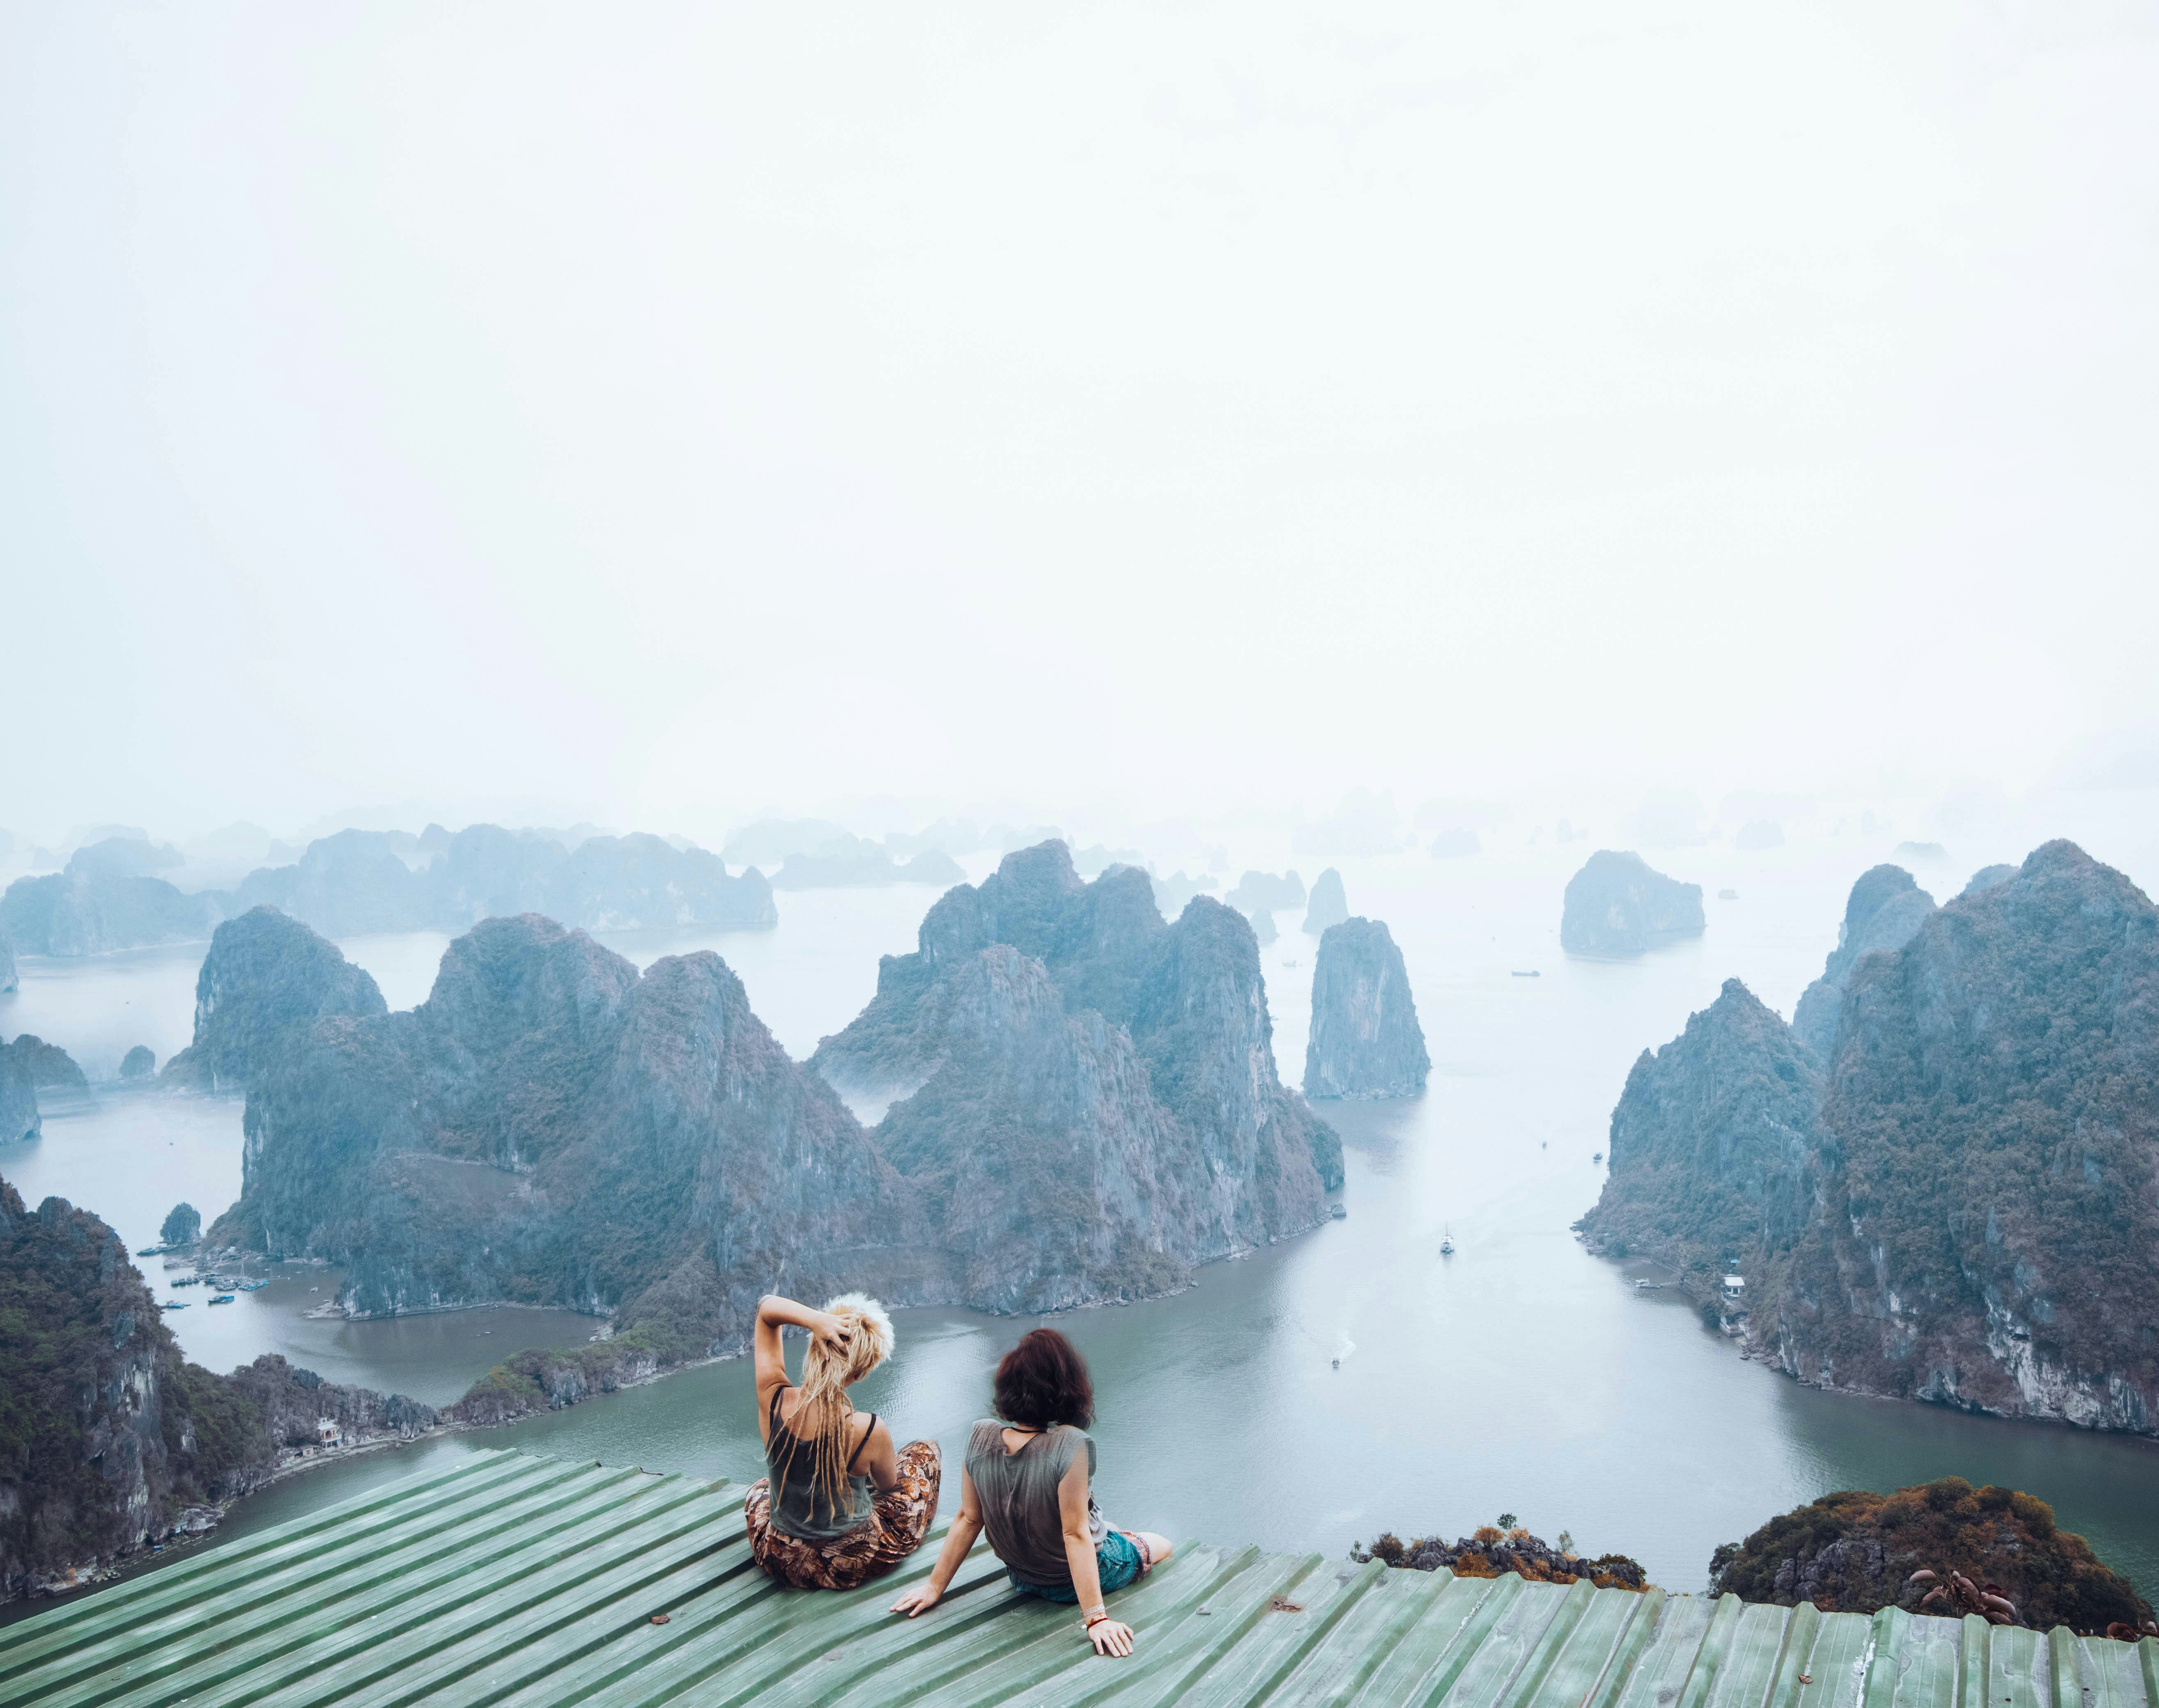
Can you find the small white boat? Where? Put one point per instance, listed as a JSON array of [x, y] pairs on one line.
[[1446, 1243]]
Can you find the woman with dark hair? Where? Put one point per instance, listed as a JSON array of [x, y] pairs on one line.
[[1026, 1481]]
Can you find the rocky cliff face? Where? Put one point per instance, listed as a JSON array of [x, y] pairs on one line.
[[1365, 1040], [1617, 905], [1329, 906], [9, 979], [1048, 1018], [1712, 1144], [18, 1100], [1977, 1220], [1989, 1227], [550, 1127], [1087, 1106], [1885, 907], [104, 899], [266, 980], [109, 1436]]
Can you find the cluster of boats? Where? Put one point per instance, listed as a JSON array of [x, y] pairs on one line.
[[227, 1288]]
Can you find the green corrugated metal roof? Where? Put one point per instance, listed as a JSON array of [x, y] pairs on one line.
[[519, 1580]]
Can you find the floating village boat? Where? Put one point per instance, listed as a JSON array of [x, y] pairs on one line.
[[222, 1299]]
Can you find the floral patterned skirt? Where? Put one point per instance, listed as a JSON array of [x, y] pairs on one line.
[[894, 1530]]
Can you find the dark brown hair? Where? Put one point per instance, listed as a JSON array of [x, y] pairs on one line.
[[1043, 1381]]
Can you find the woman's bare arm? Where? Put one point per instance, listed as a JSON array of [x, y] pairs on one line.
[[966, 1525], [1108, 1635], [880, 1458], [774, 1313]]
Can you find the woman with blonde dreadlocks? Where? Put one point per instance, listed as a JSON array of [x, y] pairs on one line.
[[841, 1505]]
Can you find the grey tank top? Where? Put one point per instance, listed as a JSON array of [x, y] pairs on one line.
[[800, 1508], [1018, 1496]]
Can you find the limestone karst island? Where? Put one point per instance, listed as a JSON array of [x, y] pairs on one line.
[[1023, 857]]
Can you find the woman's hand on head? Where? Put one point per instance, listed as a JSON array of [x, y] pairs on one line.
[[919, 1599], [1111, 1637], [828, 1331]]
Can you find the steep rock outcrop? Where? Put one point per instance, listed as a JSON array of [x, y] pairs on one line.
[[109, 1434], [1329, 904], [46, 1066], [104, 899], [266, 980], [1164, 1072], [1971, 1217], [9, 978], [1885, 907], [1712, 1145], [1617, 905], [183, 1225], [1365, 1040], [1986, 877], [549, 1126], [1988, 1228], [18, 1100], [139, 1063]]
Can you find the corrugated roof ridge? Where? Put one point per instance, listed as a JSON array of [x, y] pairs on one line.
[[266, 1601], [514, 1580], [140, 1604], [1238, 1597], [168, 1580], [964, 1631], [304, 1653]]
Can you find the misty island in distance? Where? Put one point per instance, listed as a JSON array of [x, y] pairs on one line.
[[108, 896], [1616, 905]]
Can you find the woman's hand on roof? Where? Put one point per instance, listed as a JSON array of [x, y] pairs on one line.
[[1111, 1637], [919, 1599]]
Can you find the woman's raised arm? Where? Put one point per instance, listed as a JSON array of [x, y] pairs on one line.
[[774, 1313]]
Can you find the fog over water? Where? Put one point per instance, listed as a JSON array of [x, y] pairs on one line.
[[537, 416], [1519, 1374]]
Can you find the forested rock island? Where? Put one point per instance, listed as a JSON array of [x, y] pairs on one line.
[[1958, 1203], [1083, 1104]]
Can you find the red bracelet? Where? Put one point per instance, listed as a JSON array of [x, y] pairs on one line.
[[1098, 1619]]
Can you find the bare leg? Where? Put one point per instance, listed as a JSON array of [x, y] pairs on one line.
[[1158, 1547]]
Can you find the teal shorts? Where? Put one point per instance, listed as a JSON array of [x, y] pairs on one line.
[[1118, 1561]]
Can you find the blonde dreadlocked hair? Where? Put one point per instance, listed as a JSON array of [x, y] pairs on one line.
[[819, 1424]]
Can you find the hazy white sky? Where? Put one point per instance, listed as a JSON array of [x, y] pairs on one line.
[[653, 408]]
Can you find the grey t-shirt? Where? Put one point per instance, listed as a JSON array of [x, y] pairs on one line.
[[1018, 1493]]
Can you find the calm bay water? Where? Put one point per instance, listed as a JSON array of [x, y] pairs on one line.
[[1518, 1374]]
